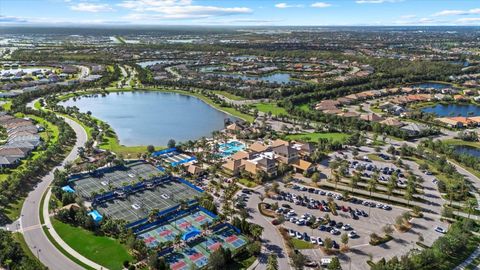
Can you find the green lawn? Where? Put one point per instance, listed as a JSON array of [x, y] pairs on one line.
[[103, 250], [305, 107], [314, 137], [247, 182], [300, 244], [270, 107], [228, 95], [460, 142]]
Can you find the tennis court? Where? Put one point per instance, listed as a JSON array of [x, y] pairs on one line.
[[197, 255], [138, 205], [106, 179], [160, 234], [230, 239], [180, 226]]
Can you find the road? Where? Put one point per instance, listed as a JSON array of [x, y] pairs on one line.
[[30, 221], [271, 237]]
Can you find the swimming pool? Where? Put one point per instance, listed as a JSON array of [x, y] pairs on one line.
[[230, 148]]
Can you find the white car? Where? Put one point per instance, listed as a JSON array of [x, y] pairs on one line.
[[346, 227], [334, 231], [299, 235], [440, 230], [293, 219], [352, 234], [300, 222], [291, 233], [319, 241], [313, 240]]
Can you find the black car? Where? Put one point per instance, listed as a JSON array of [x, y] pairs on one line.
[[286, 206], [335, 245], [332, 223]]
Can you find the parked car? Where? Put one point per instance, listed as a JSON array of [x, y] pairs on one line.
[[440, 230], [352, 234]]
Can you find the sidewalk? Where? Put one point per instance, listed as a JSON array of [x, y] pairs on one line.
[[59, 240]]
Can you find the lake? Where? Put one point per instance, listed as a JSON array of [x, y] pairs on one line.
[[444, 110], [281, 78], [438, 86], [468, 150], [143, 118]]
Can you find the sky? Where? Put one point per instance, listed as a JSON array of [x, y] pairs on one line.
[[240, 12]]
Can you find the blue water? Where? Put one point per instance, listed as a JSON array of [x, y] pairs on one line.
[[281, 78], [143, 118], [230, 148], [437, 86], [453, 110], [469, 150]]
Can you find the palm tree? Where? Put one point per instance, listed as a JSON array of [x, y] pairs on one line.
[[392, 184], [336, 179], [354, 180], [372, 184], [470, 206], [408, 195]]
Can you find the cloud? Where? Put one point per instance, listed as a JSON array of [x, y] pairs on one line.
[[376, 1], [90, 7], [320, 5], [452, 12], [177, 9], [469, 21], [11, 19], [410, 16], [285, 5]]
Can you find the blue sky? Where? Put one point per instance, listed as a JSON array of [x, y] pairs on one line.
[[244, 12]]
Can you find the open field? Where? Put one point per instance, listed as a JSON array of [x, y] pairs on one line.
[[314, 137], [100, 249], [270, 107]]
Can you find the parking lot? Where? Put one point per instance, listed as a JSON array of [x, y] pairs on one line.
[[301, 204]]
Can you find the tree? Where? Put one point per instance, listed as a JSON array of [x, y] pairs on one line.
[[470, 206], [150, 148], [217, 260], [272, 262], [254, 248], [171, 143], [315, 177], [387, 229], [344, 240], [298, 260], [328, 243], [372, 183], [354, 180], [334, 264]]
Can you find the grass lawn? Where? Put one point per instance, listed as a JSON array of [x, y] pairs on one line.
[[314, 137], [247, 182], [305, 107], [375, 157], [228, 95], [103, 250], [111, 143], [300, 244], [242, 261], [270, 107], [460, 142]]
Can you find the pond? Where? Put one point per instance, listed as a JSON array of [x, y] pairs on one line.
[[145, 64], [450, 110], [281, 78], [468, 150], [438, 86], [143, 118]]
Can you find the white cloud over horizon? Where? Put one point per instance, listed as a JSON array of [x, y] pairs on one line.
[[91, 7]]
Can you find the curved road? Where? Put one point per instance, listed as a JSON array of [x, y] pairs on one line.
[[30, 220]]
